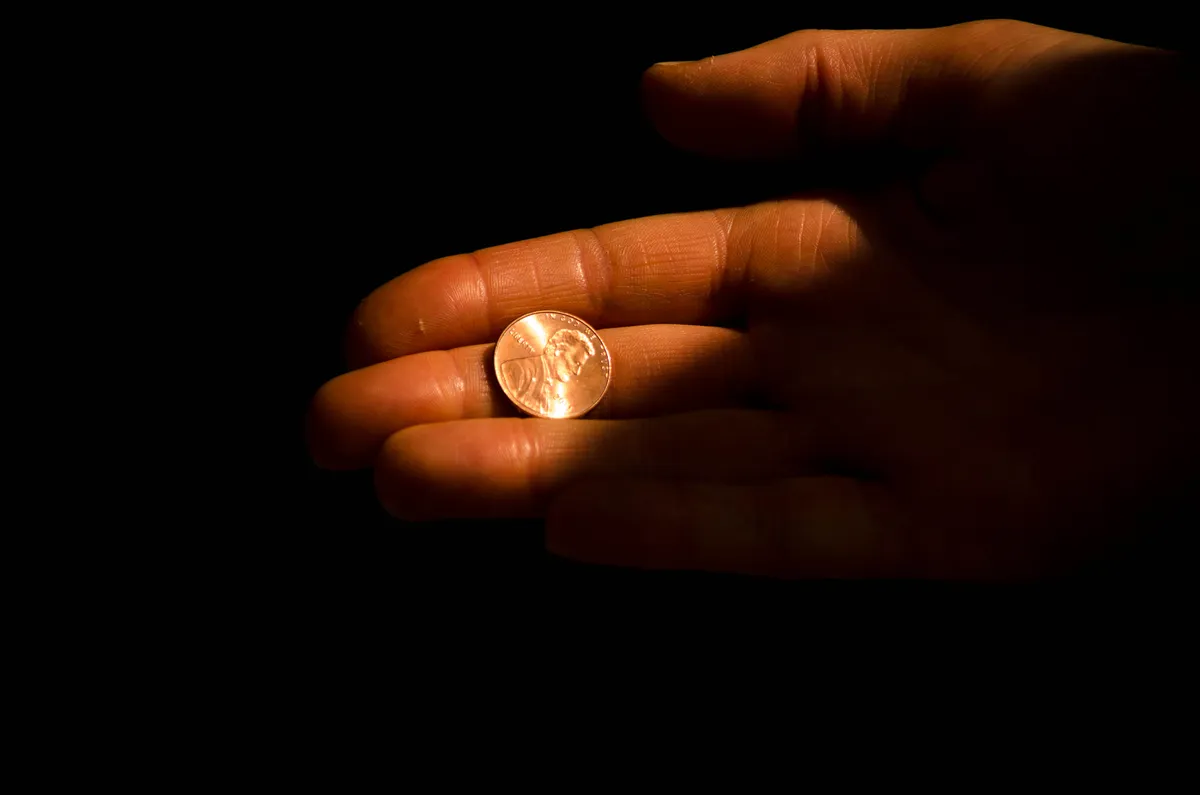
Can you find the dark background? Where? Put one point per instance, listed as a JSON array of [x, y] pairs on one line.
[[361, 145]]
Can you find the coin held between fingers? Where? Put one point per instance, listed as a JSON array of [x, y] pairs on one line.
[[552, 365]]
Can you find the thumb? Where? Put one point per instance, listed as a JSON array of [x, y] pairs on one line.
[[818, 91]]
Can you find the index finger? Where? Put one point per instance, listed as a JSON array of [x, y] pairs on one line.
[[663, 269], [692, 268]]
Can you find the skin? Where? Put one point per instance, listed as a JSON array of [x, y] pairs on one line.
[[966, 351]]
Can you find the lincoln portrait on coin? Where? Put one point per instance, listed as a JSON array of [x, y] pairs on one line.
[[538, 381]]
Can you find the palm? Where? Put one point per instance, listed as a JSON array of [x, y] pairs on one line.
[[960, 410], [882, 382]]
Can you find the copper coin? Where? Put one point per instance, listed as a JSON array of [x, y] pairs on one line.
[[553, 365]]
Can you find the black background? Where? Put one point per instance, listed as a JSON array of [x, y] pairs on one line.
[[349, 147]]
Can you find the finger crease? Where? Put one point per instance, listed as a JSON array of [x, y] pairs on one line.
[[484, 292], [459, 382], [722, 282], [530, 454], [596, 289], [818, 260]]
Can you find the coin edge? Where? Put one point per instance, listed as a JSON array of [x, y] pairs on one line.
[[527, 412]]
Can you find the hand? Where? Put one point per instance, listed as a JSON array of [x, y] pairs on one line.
[[969, 355]]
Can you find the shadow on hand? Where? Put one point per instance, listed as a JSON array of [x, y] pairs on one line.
[[348, 541]]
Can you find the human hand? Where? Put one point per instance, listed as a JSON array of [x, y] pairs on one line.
[[966, 357]]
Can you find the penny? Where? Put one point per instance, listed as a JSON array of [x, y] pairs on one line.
[[552, 364]]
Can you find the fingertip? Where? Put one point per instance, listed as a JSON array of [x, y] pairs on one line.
[[406, 505], [723, 106], [665, 101], [358, 348], [407, 480], [457, 470], [669, 74], [351, 416], [439, 305], [323, 445], [662, 88]]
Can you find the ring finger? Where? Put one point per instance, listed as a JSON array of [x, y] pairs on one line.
[[515, 467]]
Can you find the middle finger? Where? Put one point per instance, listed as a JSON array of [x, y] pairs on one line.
[[656, 369]]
